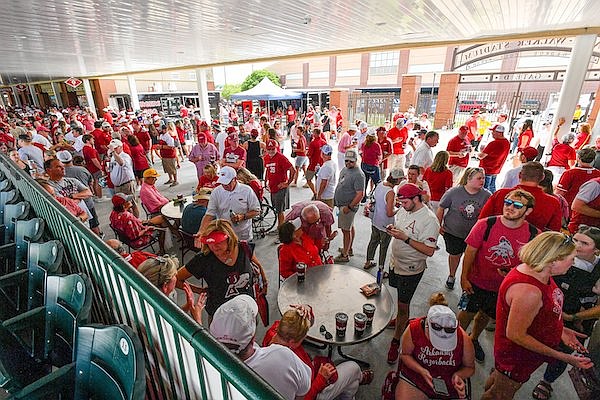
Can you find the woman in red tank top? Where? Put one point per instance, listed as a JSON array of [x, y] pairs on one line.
[[437, 355], [530, 304]]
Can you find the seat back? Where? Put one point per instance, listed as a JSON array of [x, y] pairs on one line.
[[68, 304], [12, 213], [28, 231], [7, 197], [109, 363], [44, 259]]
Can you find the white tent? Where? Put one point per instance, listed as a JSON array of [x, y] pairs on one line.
[[266, 90]]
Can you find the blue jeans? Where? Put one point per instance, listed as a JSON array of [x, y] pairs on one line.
[[490, 183], [371, 172]]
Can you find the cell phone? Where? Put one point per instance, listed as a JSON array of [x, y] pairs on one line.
[[389, 226], [439, 386]]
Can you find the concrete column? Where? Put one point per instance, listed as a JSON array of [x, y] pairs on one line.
[[56, 90], [89, 95], [446, 102], [133, 93], [572, 84], [2, 100], [403, 61], [34, 95], [364, 68], [16, 97], [332, 71], [409, 94], [339, 98], [203, 94], [305, 74]]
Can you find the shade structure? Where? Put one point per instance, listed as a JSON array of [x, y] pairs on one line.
[[266, 90]]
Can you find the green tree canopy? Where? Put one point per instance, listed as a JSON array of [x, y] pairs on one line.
[[230, 89], [255, 77]]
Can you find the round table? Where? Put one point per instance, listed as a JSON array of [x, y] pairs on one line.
[[334, 288], [172, 211]]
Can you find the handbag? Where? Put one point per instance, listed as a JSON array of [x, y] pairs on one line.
[[259, 285]]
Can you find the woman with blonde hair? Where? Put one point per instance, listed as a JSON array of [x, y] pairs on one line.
[[248, 178], [529, 324], [208, 178], [439, 178], [172, 131], [583, 136], [224, 263], [328, 380]]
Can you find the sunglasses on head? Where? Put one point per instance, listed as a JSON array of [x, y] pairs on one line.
[[567, 240], [516, 204], [438, 327]]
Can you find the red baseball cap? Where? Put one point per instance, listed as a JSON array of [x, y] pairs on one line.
[[272, 144], [214, 237], [463, 128], [201, 135], [231, 129], [408, 191], [529, 152]]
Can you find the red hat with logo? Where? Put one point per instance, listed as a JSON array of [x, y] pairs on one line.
[[214, 237], [408, 191], [272, 144], [231, 129]]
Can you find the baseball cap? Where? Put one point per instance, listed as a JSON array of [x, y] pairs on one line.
[[254, 132], [214, 237], [151, 173], [105, 124], [408, 191], [463, 128], [115, 143], [119, 199], [380, 129], [226, 175], [327, 149], [397, 173], [371, 132], [498, 128], [203, 194], [351, 155], [42, 128], [353, 128], [476, 111], [363, 125], [234, 322], [529, 152], [272, 144], [442, 317], [297, 222], [528, 113], [201, 135], [64, 156], [231, 129]]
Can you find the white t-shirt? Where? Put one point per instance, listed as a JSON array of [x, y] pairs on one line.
[[279, 366], [423, 155], [121, 174], [421, 225], [78, 145], [220, 139], [327, 171], [40, 139]]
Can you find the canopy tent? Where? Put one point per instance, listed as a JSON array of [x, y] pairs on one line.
[[266, 90]]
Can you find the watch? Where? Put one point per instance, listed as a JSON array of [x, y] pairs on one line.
[[407, 241]]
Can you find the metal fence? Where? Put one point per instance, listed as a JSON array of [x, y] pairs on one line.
[[183, 361], [373, 108]]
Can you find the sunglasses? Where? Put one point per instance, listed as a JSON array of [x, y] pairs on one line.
[[516, 204], [438, 327], [324, 332], [349, 161], [567, 240]]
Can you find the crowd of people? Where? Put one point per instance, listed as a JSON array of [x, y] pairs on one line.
[[516, 242]]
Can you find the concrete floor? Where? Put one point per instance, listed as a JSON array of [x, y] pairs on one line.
[[375, 351]]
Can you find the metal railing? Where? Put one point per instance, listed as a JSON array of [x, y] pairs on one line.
[[183, 361]]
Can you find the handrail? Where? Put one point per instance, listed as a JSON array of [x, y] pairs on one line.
[[183, 361]]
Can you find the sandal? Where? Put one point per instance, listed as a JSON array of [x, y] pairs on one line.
[[369, 265], [367, 377], [543, 391]]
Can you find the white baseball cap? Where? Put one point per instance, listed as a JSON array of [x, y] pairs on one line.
[[439, 319], [226, 175], [234, 322]]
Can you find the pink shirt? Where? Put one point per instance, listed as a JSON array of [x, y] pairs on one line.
[[151, 198]]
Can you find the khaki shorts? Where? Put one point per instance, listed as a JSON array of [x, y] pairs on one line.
[[345, 221], [329, 202], [169, 166], [309, 174]]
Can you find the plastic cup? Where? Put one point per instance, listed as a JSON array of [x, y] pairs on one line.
[[301, 271], [360, 323], [369, 311], [341, 321]]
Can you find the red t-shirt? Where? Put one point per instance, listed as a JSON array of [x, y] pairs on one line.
[[239, 152], [180, 134], [4, 138], [138, 157], [371, 155], [101, 140], [108, 117], [546, 215], [292, 253], [144, 137], [314, 153], [301, 145], [581, 140], [169, 152], [395, 133], [471, 123], [571, 181], [525, 139], [457, 144], [438, 182], [517, 362], [276, 169], [90, 153], [205, 181], [386, 150], [500, 251], [561, 155], [291, 115], [497, 151]]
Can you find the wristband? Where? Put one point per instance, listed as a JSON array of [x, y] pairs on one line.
[[407, 241]]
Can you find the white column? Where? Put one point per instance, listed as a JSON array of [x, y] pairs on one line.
[[203, 94], [89, 96], [572, 84], [56, 90], [16, 97], [133, 93], [2, 100], [34, 97]]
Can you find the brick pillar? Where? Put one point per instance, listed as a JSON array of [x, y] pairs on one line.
[[339, 98], [409, 93], [403, 61], [364, 68], [63, 94], [594, 113], [446, 102], [102, 88]]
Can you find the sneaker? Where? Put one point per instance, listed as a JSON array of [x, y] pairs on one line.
[[450, 282], [341, 250], [479, 354], [491, 326], [393, 352], [174, 184], [168, 182], [341, 259], [370, 264]]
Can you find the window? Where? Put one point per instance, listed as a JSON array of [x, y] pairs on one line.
[[385, 63]]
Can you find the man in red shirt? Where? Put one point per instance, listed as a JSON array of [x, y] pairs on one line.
[[398, 135], [546, 215], [471, 123], [101, 138], [586, 206], [459, 148], [279, 173], [92, 163], [386, 150], [493, 156], [107, 115], [314, 158], [234, 155], [572, 179], [141, 133]]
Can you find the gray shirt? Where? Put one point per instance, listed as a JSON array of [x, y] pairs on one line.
[[79, 173], [462, 210], [351, 180], [32, 153]]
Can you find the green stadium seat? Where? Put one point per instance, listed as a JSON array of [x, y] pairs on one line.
[[13, 255], [12, 213]]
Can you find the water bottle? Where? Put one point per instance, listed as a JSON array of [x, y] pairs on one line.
[[379, 274], [464, 301], [231, 216]]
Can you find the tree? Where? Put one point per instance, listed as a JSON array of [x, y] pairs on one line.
[[230, 89], [255, 77]]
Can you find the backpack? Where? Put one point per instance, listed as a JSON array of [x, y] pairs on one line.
[[491, 221]]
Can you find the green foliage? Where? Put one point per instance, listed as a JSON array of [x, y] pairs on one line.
[[230, 89], [255, 77]]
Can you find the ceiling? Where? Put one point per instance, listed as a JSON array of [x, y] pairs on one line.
[[47, 39]]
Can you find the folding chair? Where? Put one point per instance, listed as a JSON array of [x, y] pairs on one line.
[[125, 240]]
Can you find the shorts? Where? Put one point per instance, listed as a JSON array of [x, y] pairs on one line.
[[454, 245], [406, 285], [301, 161], [94, 223], [139, 173], [309, 174], [482, 300], [281, 200], [329, 202], [345, 221], [97, 175], [169, 166]]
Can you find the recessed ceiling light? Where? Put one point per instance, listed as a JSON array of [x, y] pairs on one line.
[[180, 52], [380, 23]]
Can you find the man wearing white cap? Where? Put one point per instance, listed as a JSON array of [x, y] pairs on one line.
[[326, 177], [399, 137], [233, 201], [234, 325], [121, 172], [493, 156]]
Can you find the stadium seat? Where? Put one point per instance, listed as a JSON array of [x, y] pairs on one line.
[[109, 364], [13, 254], [12, 213]]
